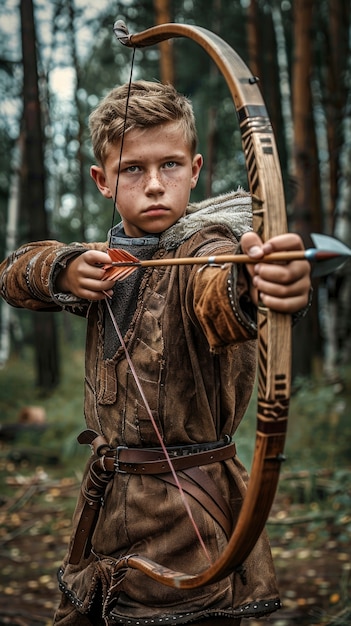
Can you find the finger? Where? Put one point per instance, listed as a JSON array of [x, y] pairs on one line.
[[91, 269], [281, 290], [284, 274], [283, 305], [288, 298], [252, 245], [287, 241], [93, 289], [96, 257], [92, 263]]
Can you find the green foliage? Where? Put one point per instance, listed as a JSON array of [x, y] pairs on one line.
[[319, 427], [63, 407], [318, 433]]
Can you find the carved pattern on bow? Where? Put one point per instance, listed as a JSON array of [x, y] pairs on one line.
[[274, 329]]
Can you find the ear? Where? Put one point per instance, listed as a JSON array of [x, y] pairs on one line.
[[196, 169], [98, 175]]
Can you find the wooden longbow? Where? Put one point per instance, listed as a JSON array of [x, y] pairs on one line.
[[274, 329]]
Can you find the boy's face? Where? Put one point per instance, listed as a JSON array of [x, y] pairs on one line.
[[156, 176]]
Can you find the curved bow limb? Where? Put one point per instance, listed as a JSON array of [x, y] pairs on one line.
[[274, 329]]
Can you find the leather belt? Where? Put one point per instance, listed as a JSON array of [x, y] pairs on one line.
[[153, 461], [107, 461]]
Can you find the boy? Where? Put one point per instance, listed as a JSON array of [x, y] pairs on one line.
[[193, 349]]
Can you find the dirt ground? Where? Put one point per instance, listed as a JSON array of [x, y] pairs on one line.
[[311, 543]]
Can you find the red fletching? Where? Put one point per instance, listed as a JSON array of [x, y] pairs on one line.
[[120, 272]]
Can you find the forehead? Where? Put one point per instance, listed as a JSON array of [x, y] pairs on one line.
[[161, 139]]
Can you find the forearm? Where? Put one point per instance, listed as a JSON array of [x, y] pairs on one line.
[[28, 275], [223, 307]]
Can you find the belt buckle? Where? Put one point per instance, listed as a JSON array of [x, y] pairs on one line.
[[117, 461]]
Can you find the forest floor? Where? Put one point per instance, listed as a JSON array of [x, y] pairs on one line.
[[311, 544], [309, 525]]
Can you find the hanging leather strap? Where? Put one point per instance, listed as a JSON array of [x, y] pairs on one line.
[[93, 489], [201, 487]]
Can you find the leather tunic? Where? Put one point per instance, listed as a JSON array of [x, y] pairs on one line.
[[192, 341]]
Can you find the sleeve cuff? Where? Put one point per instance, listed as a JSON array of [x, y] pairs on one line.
[[296, 317], [243, 309], [63, 299]]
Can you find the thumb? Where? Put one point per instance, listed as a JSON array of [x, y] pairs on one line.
[[252, 245]]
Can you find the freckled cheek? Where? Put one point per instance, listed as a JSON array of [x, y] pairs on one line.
[[127, 197], [172, 184], [130, 190], [174, 181]]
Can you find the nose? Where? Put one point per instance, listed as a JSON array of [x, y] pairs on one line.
[[153, 182]]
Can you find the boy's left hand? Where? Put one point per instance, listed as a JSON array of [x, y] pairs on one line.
[[283, 287]]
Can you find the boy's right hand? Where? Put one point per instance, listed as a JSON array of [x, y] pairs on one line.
[[83, 276]]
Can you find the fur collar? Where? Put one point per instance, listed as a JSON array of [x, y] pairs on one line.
[[233, 209]]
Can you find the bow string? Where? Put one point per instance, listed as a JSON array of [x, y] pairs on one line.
[[274, 329]]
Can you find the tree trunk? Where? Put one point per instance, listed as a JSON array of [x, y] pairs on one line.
[[306, 205], [336, 94], [162, 10], [7, 313], [284, 82], [254, 43], [80, 157], [306, 202], [337, 326], [34, 196]]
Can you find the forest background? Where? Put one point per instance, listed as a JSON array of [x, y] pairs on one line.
[[57, 59]]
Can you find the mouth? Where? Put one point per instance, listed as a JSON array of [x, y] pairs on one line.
[[156, 210]]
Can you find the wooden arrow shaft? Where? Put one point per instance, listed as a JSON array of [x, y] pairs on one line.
[[219, 259]]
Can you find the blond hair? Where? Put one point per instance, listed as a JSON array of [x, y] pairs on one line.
[[149, 104]]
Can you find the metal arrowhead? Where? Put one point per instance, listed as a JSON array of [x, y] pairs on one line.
[[330, 253]]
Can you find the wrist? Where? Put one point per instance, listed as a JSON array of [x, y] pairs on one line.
[[61, 282]]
